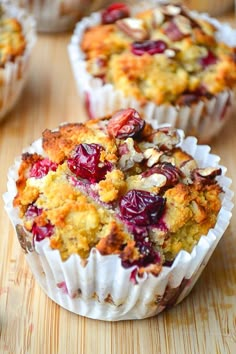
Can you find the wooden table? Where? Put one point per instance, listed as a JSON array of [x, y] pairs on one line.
[[30, 323]]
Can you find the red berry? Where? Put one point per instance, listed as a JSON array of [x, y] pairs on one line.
[[41, 232], [32, 212], [141, 208], [115, 12], [173, 32], [125, 123], [209, 59], [171, 172], [85, 163], [42, 167], [150, 47]]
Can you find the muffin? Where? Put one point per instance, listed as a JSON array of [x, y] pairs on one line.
[[174, 65], [117, 219], [17, 36], [213, 7], [59, 15]]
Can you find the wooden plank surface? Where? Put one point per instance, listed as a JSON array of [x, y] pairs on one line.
[[29, 321]]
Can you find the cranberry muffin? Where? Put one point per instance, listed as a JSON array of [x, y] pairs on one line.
[[172, 63], [113, 206], [17, 36]]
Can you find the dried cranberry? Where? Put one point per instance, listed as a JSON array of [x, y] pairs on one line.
[[32, 212], [171, 172], [42, 167], [173, 32], [150, 47], [189, 97], [209, 59], [125, 123], [148, 255], [85, 163], [41, 232], [141, 208], [115, 12]]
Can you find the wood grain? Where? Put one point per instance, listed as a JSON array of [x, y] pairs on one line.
[[29, 321]]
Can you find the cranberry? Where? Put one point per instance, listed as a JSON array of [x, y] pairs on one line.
[[63, 287], [141, 208], [115, 12], [32, 212], [85, 163], [148, 255], [173, 32], [150, 47], [125, 123], [189, 97], [171, 172], [42, 167], [209, 59], [41, 232]]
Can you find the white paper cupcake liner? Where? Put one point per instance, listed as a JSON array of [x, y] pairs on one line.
[[204, 119], [59, 15], [101, 288], [14, 74]]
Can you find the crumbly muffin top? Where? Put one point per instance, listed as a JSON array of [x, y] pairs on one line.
[[12, 40], [117, 185], [163, 55]]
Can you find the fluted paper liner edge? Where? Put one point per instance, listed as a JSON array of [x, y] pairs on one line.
[[14, 74]]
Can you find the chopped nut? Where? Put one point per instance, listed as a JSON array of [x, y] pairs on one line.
[[134, 28], [171, 10], [152, 155], [158, 17], [183, 23], [167, 159], [166, 138], [205, 175], [154, 180], [131, 156], [170, 53], [209, 172], [188, 166]]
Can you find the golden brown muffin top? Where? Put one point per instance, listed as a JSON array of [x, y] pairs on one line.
[[163, 55], [12, 40], [120, 186]]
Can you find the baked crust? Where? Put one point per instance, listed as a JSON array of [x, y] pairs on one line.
[[84, 213], [194, 65]]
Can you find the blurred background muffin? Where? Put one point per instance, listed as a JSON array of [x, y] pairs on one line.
[[17, 37], [59, 15], [213, 7], [176, 65]]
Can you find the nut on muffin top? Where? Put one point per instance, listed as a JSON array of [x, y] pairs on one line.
[[120, 186], [165, 54]]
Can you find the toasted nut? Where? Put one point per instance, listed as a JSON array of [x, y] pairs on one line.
[[183, 24], [152, 155], [188, 166], [209, 172], [166, 138], [131, 156], [205, 175], [154, 180], [134, 28], [158, 17], [170, 53], [167, 159], [171, 10]]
